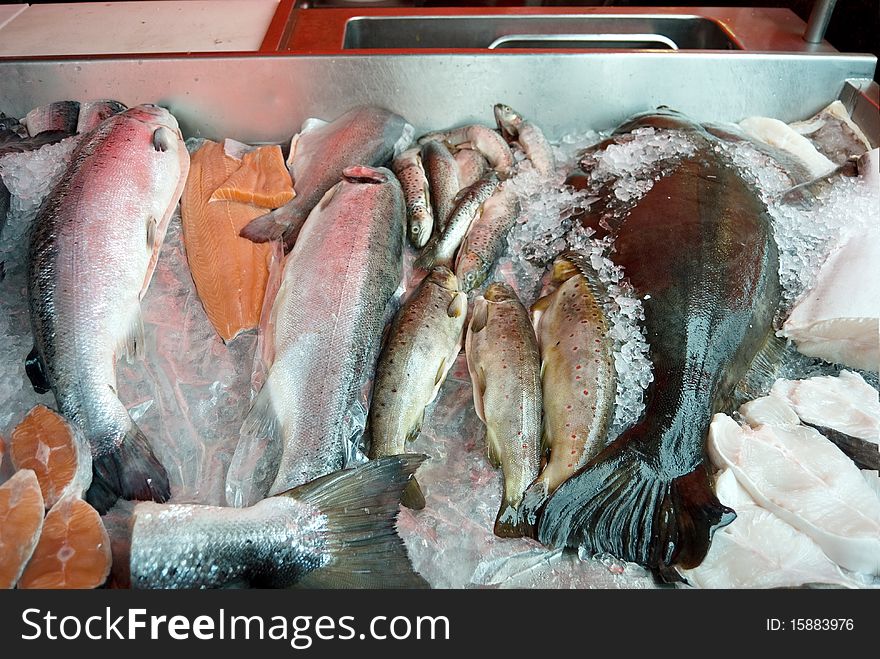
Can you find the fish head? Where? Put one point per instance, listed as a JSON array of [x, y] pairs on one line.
[[499, 292], [508, 120], [471, 269], [154, 116], [444, 278]]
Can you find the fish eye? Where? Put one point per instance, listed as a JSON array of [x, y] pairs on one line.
[[415, 229]]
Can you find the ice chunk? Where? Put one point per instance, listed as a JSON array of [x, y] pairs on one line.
[[779, 135], [797, 474], [845, 403], [839, 319], [759, 550]]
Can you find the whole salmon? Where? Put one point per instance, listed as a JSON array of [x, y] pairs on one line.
[[326, 325], [699, 251], [93, 248]]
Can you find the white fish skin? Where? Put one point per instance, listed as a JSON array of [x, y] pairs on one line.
[[780, 135], [845, 403], [804, 479], [839, 319], [327, 322], [759, 550]]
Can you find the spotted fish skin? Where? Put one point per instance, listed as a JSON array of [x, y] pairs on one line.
[[442, 172], [515, 129], [578, 378], [482, 139], [410, 171], [423, 342], [442, 247], [487, 238], [505, 368]]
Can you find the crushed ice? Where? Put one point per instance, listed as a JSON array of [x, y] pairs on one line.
[[192, 391], [809, 226]]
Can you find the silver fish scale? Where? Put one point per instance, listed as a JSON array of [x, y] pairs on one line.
[[87, 264], [271, 544], [362, 136], [330, 313]]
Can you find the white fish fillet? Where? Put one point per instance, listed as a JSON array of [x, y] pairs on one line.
[[769, 410], [839, 319], [759, 550], [780, 135], [794, 472], [845, 403]]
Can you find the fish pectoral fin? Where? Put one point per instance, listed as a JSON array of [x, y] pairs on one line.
[[413, 433], [328, 196], [36, 371], [152, 230], [458, 307], [132, 343], [480, 316], [163, 139], [545, 445], [441, 371]]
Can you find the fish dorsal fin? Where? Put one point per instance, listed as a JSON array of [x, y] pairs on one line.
[[36, 371], [132, 343], [458, 307], [585, 269]]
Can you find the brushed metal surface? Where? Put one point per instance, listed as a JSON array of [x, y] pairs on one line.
[[683, 31], [266, 98]]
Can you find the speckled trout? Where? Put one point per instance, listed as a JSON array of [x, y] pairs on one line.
[[505, 368]]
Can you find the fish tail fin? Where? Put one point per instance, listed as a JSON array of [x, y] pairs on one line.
[[534, 498], [412, 496], [257, 456], [621, 506], [512, 522], [130, 471], [361, 506], [428, 258], [282, 223]]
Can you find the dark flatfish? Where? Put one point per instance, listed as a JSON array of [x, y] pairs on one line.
[[698, 249]]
